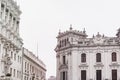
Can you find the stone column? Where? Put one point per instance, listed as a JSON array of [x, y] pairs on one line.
[[74, 65]]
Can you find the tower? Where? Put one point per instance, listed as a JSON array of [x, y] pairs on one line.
[[65, 52]]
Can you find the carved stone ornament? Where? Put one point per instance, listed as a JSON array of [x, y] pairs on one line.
[[83, 65], [63, 66], [114, 65], [98, 40], [98, 65]]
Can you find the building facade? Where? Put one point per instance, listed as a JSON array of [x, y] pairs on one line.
[[10, 41], [33, 67], [16, 62], [82, 58]]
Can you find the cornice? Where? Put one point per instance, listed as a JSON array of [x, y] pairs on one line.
[[71, 32], [83, 46], [29, 55], [34, 62]]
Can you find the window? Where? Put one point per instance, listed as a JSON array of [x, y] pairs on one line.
[[63, 75], [14, 73], [17, 74], [28, 66], [98, 75], [60, 43], [2, 10], [98, 57], [10, 20], [18, 58], [11, 71], [64, 58], [5, 50], [17, 24], [114, 56], [83, 57], [83, 74], [6, 15], [14, 56], [32, 69], [67, 40], [24, 77], [25, 65], [20, 74], [114, 74], [27, 78], [2, 6], [11, 54], [13, 21]]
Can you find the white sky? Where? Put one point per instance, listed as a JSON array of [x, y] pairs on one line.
[[42, 19]]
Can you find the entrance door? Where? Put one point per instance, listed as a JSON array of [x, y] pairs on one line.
[[98, 75], [83, 74], [114, 74]]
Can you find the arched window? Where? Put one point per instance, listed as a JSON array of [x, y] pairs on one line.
[[114, 56], [64, 60], [60, 44], [98, 57], [83, 57]]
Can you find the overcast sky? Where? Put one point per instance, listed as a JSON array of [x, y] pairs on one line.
[[42, 19]]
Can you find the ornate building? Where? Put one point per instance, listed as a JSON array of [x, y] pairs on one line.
[[33, 67], [10, 41], [83, 58], [16, 63]]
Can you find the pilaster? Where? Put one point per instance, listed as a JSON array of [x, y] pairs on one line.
[[69, 66], [58, 64], [74, 66]]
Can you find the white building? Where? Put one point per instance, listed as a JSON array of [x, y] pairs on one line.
[[10, 41], [83, 58], [16, 63], [33, 67]]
